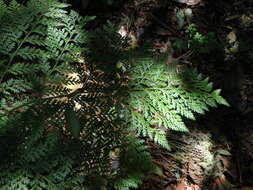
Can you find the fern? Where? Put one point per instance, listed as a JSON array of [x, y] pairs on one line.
[[67, 124], [35, 41], [41, 44], [160, 97], [135, 162]]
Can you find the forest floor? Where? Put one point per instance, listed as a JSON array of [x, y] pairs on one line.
[[217, 154]]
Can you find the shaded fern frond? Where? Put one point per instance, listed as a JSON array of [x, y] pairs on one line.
[[36, 40], [133, 170]]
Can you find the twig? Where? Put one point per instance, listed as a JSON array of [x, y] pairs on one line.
[[171, 59]]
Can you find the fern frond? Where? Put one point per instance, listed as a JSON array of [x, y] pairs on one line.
[[134, 169], [160, 97]]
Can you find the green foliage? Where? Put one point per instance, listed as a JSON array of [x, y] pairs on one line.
[[81, 131], [160, 96], [35, 42], [136, 161], [73, 122], [107, 47], [40, 114], [39, 157], [201, 43]]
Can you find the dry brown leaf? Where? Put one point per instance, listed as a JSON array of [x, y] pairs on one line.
[[181, 185]]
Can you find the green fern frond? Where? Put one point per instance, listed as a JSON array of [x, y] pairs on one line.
[[133, 170], [35, 42], [160, 97]]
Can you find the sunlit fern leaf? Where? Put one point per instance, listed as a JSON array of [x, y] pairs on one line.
[[160, 96]]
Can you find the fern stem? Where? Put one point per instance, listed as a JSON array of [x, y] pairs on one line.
[[149, 88], [32, 102], [36, 101], [19, 46], [45, 178], [12, 57]]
